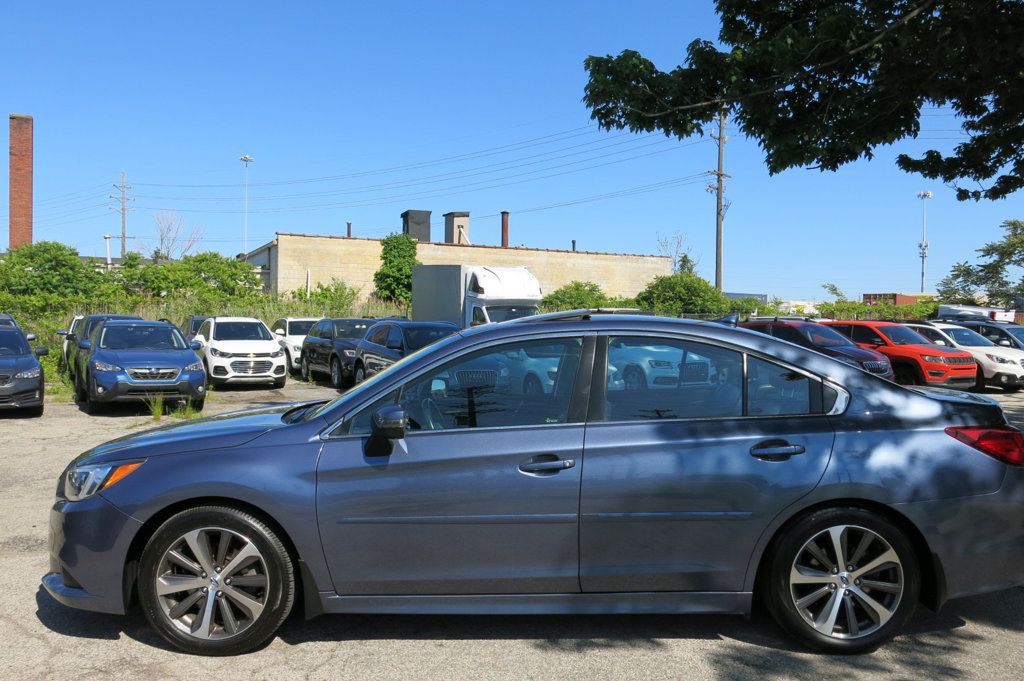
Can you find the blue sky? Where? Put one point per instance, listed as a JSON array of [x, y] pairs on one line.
[[447, 105]]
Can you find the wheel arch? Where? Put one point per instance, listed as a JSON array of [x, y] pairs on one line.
[[906, 363], [933, 583], [304, 580]]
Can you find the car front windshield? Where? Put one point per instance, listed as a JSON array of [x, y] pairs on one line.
[[367, 386], [241, 331], [12, 342], [503, 313], [141, 337], [901, 335], [350, 330], [417, 337], [823, 337], [968, 338], [300, 328]]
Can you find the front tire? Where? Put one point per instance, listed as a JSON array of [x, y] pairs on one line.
[[280, 382], [842, 580], [336, 375], [360, 374], [215, 580], [304, 368], [906, 376]]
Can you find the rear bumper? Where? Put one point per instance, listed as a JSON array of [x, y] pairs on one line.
[[978, 541], [89, 543]]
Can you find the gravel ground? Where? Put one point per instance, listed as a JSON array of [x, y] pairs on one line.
[[979, 637]]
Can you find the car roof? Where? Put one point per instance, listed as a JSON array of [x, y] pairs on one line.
[[301, 319], [136, 322], [235, 319], [94, 317], [863, 322]]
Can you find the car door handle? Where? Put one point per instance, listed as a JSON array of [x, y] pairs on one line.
[[546, 466], [775, 450]]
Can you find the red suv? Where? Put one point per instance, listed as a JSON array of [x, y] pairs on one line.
[[915, 360]]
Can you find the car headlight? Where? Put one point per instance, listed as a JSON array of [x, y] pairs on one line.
[[29, 373], [82, 482], [659, 363], [935, 359], [277, 353], [103, 366], [217, 353], [1000, 360], [196, 366], [349, 353]]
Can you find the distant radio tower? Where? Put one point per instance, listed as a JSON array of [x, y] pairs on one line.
[[923, 246]]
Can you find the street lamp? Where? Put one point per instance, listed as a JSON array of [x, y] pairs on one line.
[[246, 159], [923, 246]]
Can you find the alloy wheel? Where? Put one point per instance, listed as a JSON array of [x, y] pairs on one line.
[[212, 583], [335, 374], [846, 582]]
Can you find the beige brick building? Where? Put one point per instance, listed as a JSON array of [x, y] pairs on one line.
[[287, 262]]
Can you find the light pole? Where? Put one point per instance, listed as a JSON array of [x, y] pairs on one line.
[[246, 159], [923, 246]]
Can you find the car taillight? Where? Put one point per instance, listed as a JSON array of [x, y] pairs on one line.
[[1000, 442]]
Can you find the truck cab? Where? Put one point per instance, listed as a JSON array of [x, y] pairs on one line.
[[470, 295]]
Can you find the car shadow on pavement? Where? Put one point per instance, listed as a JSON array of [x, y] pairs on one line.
[[84, 624]]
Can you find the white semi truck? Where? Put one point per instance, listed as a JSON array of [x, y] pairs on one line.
[[470, 295]]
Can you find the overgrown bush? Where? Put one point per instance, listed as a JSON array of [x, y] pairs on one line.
[[393, 281], [574, 296], [682, 293]]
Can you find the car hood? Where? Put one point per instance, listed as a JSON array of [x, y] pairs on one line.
[[16, 363], [935, 350], [996, 350], [855, 353], [215, 432], [149, 358], [239, 347]]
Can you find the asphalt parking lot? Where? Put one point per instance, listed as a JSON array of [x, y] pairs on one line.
[[980, 637]]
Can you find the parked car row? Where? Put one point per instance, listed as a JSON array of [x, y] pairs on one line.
[[969, 354]]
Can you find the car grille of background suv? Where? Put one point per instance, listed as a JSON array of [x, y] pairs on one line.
[[251, 367], [959, 360], [153, 373], [877, 367]]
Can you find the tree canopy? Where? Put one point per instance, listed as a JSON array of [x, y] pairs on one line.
[[996, 279], [682, 293], [393, 281], [822, 83]]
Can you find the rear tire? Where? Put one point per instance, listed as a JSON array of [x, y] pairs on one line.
[[186, 549], [835, 607]]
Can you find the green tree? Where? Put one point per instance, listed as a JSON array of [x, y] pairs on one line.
[[821, 83], [46, 267], [393, 281], [834, 291], [676, 294], [338, 296], [994, 277], [574, 296]]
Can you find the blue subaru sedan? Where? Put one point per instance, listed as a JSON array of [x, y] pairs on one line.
[[438, 486], [132, 360]]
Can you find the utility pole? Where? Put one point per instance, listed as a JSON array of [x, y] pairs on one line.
[[123, 187], [719, 189], [246, 159], [923, 246]]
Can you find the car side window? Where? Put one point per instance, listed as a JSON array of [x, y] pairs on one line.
[[842, 328], [525, 383], [379, 335], [395, 339], [865, 334], [659, 378], [934, 335], [279, 325], [326, 329], [204, 330], [478, 315], [774, 390]]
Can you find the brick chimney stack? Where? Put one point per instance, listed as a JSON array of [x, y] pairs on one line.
[[20, 210]]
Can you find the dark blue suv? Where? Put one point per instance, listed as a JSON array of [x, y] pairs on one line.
[[444, 485], [126, 360]]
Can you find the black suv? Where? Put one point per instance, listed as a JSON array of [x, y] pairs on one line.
[[386, 342], [330, 347]]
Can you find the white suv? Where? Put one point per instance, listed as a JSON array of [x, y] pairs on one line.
[[997, 366], [291, 331], [241, 350]]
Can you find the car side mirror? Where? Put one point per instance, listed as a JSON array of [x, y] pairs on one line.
[[30, 336], [198, 338], [62, 332], [1005, 343], [42, 352], [85, 343], [438, 386], [279, 332], [389, 423], [72, 338], [196, 345]]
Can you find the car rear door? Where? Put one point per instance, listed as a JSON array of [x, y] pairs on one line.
[[679, 482], [482, 494]]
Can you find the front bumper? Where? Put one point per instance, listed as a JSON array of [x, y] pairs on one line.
[[978, 541], [22, 392], [1003, 379], [89, 542], [246, 369], [118, 386], [950, 380]]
